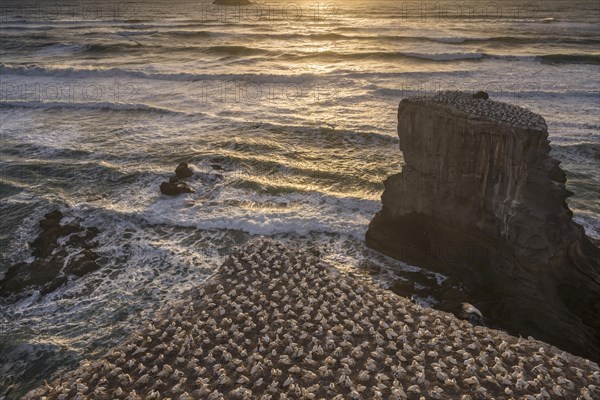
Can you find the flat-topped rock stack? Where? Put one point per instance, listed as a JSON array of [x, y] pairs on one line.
[[495, 110], [480, 199], [278, 323]]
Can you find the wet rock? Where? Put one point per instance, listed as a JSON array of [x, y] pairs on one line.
[[51, 219], [403, 287], [175, 187], [57, 282], [82, 263], [183, 171], [83, 242], [47, 271], [46, 242], [481, 95]]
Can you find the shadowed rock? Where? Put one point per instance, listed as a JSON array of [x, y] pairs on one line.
[[481, 95], [175, 187], [53, 262], [183, 171], [480, 198]]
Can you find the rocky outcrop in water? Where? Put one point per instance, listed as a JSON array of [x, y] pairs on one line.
[[277, 323], [480, 198], [176, 184], [175, 187], [55, 257], [183, 171]]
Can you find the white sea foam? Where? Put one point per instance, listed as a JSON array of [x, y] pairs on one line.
[[116, 72], [258, 214], [60, 49], [589, 222], [102, 106], [446, 56]]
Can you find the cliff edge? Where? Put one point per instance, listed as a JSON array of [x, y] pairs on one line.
[[480, 198]]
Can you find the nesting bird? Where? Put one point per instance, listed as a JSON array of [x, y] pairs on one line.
[[278, 323]]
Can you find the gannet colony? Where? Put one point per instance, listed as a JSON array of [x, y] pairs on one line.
[[495, 110], [278, 323]]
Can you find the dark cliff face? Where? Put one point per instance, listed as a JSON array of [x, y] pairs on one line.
[[480, 198]]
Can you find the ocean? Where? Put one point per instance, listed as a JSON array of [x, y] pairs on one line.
[[292, 104]]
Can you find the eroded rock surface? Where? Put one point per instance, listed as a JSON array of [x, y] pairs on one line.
[[480, 198]]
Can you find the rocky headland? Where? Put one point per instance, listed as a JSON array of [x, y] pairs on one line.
[[276, 322], [480, 199]]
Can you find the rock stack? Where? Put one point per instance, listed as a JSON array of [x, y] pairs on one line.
[[277, 323], [480, 198]]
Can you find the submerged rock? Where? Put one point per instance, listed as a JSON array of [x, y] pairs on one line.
[[53, 262], [277, 323], [480, 198]]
